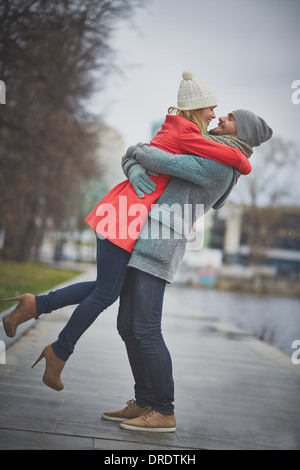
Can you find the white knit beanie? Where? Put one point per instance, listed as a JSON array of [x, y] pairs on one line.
[[194, 93]]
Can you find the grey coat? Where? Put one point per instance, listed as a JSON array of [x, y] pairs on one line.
[[198, 184]]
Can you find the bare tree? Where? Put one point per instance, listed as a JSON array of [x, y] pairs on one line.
[[268, 195], [48, 53]]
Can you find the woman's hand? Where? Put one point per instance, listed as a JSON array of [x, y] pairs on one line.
[[140, 181]]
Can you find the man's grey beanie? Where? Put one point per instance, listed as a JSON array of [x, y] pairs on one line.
[[250, 128]]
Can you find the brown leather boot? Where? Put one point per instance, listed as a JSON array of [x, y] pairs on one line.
[[24, 311], [151, 420], [54, 367], [132, 410]]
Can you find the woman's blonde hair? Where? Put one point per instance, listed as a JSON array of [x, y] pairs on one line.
[[193, 115]]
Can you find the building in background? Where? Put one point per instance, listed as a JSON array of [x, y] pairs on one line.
[[268, 237], [258, 252]]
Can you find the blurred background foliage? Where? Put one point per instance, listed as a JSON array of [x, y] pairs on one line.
[[49, 51]]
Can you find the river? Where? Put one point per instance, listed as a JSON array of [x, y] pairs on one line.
[[274, 319]]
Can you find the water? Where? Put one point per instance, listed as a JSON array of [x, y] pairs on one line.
[[274, 319]]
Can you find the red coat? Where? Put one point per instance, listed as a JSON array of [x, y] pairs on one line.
[[120, 214]]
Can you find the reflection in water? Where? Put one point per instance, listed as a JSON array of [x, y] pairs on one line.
[[275, 320]]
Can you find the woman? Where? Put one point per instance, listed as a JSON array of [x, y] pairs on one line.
[[179, 134]]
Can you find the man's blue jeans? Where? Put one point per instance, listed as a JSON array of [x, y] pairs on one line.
[[139, 321], [139, 325]]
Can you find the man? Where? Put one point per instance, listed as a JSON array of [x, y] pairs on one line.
[[155, 260], [245, 125]]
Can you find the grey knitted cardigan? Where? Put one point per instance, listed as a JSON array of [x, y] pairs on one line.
[[196, 181]]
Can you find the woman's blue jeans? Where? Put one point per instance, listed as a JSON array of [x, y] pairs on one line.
[[139, 321], [93, 297]]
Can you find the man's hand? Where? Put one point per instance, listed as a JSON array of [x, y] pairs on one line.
[[140, 181]]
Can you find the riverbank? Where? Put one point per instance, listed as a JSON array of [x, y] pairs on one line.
[[274, 319], [237, 278], [260, 285]]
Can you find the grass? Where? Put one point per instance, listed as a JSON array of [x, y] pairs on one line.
[[18, 278]]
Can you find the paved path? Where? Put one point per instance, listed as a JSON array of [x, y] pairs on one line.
[[232, 391]]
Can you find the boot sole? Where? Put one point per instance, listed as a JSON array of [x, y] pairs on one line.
[[111, 418], [137, 428]]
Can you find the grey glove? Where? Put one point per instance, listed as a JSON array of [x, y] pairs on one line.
[[140, 181]]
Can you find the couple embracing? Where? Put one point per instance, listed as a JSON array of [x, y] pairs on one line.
[[184, 166]]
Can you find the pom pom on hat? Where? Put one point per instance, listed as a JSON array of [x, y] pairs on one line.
[[194, 93], [188, 74]]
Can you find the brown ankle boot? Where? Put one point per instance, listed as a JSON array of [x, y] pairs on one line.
[[151, 420], [24, 311], [132, 410], [54, 367]]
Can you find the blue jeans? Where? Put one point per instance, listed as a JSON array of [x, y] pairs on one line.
[[93, 297], [139, 321], [139, 325]]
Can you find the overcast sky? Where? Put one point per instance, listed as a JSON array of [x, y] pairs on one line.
[[247, 52]]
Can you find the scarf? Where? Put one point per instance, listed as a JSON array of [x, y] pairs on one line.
[[231, 141]]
